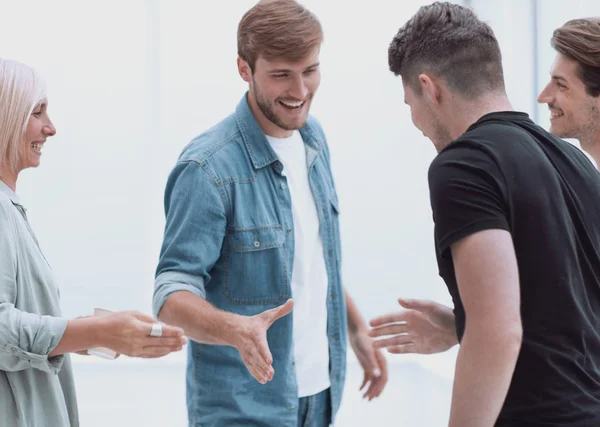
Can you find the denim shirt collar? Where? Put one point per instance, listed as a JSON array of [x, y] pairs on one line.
[[11, 194], [259, 149]]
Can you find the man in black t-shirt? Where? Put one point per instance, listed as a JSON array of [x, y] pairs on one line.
[[517, 232], [573, 98]]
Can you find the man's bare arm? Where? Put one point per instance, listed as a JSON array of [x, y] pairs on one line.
[[487, 276]]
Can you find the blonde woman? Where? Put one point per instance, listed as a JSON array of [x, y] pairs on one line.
[[36, 382]]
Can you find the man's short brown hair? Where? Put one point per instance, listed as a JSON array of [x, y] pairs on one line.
[[579, 40], [278, 29], [449, 41]]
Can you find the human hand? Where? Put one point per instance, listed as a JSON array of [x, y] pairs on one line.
[[373, 363], [128, 332], [250, 340], [423, 327]]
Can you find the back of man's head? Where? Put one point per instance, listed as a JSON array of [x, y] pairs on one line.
[[579, 40], [450, 42]]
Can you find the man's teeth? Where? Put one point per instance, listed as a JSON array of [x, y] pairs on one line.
[[556, 114], [293, 104]]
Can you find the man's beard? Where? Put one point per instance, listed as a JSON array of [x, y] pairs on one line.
[[267, 110]]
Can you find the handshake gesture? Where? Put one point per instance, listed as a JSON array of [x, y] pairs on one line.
[[250, 339]]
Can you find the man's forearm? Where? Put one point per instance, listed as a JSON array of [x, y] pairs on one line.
[[201, 321], [355, 319], [484, 369]]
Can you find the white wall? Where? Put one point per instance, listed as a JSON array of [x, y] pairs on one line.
[[88, 202], [524, 30], [132, 82]]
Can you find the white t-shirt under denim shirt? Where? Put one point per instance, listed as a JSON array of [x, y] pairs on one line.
[[309, 274]]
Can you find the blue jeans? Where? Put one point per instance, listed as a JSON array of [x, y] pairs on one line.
[[315, 410]]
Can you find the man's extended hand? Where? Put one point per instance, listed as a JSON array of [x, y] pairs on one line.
[[251, 341], [423, 327]]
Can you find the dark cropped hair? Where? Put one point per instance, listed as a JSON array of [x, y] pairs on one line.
[[449, 41]]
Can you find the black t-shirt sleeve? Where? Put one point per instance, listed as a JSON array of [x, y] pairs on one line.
[[468, 194]]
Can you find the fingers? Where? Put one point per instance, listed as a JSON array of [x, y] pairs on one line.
[[370, 392], [417, 304], [278, 312], [377, 384], [264, 352], [364, 383], [383, 378], [165, 341], [389, 329], [408, 348], [265, 360], [167, 330], [393, 341], [259, 369], [370, 365], [265, 371], [145, 323], [152, 352], [153, 347], [254, 371], [258, 359], [387, 318]]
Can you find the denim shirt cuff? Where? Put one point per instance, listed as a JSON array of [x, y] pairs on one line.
[[170, 282]]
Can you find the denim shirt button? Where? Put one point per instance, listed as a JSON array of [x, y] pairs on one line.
[[289, 230], [256, 244], [283, 186]]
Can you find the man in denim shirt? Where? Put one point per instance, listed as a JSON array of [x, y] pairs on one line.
[[252, 222]]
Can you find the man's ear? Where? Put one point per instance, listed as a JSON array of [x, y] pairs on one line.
[[244, 70], [430, 87]]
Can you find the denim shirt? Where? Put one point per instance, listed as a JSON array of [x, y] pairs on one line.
[[229, 239]]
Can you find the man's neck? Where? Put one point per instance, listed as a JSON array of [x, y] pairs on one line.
[[472, 111], [592, 147]]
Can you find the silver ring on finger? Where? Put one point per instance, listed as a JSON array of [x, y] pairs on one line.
[[157, 330]]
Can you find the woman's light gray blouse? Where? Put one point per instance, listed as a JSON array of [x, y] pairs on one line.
[[35, 390]]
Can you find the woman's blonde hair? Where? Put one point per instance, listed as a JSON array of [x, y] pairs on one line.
[[21, 90]]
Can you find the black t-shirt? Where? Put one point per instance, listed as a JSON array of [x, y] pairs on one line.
[[507, 173]]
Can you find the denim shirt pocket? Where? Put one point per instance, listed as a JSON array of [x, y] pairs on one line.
[[257, 272]]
